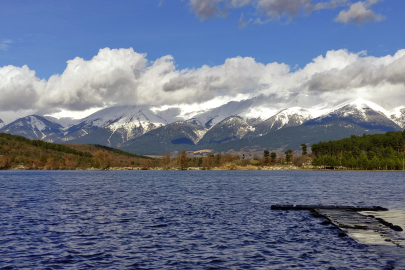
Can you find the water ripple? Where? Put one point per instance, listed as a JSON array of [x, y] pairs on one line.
[[183, 220]]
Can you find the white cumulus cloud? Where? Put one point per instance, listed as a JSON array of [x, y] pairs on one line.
[[19, 88], [123, 76], [111, 76]]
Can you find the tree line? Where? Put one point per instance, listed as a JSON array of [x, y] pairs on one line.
[[367, 152], [182, 161]]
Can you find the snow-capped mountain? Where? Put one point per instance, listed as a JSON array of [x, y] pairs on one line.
[[398, 116], [116, 125], [250, 110], [231, 128], [179, 133], [131, 126], [1, 123], [35, 127], [290, 117], [163, 139], [362, 112]]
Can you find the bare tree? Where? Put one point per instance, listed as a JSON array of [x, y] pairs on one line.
[[166, 160], [102, 159], [182, 159]]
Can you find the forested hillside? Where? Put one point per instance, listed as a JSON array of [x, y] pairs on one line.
[[20, 152], [377, 151]]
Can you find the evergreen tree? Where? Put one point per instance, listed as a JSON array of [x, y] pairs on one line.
[[377, 151], [304, 149], [266, 156], [288, 155], [273, 157], [217, 159]]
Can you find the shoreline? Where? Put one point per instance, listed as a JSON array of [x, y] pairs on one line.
[[223, 168]]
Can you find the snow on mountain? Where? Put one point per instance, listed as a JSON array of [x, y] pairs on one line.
[[365, 113], [182, 132], [64, 122], [121, 115], [361, 106], [257, 114], [211, 117], [34, 127], [398, 116], [294, 116], [250, 109], [179, 132], [122, 125], [231, 128], [131, 121]]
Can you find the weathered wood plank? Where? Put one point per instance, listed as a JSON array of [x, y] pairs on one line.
[[362, 228], [337, 207], [365, 227]]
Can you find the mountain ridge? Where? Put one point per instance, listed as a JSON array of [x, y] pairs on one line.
[[120, 126]]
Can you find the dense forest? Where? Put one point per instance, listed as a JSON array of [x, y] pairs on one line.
[[20, 152], [367, 152]]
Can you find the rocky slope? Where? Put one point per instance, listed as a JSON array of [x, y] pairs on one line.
[[35, 127]]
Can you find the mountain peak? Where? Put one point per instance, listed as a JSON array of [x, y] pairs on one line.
[[361, 105], [293, 116], [34, 127], [359, 111]]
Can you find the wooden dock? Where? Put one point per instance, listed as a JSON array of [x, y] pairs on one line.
[[331, 207], [365, 225]]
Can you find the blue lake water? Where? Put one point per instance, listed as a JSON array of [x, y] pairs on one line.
[[184, 219]]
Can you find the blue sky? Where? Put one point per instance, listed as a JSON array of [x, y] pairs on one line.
[[79, 55], [45, 34]]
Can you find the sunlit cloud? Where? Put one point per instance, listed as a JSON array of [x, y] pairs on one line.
[[125, 77]]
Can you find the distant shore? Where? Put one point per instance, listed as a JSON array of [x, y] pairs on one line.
[[239, 168], [231, 167]]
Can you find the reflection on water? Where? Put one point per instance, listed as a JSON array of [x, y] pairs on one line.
[[185, 219]]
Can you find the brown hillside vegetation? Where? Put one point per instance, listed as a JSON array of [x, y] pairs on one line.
[[17, 152], [117, 157]]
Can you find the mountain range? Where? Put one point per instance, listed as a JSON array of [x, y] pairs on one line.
[[239, 126]]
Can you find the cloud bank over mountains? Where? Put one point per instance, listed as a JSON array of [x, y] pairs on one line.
[[269, 10], [123, 76]]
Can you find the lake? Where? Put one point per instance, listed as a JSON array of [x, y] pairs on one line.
[[185, 219]]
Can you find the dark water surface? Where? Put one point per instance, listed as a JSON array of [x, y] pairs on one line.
[[184, 219]]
